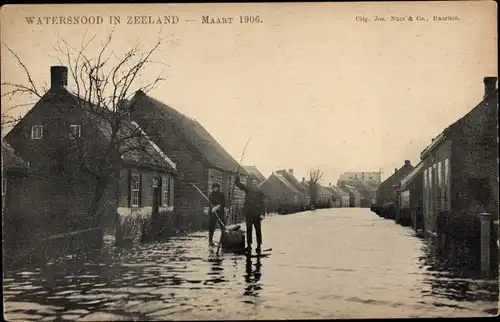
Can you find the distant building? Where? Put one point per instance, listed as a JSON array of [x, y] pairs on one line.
[[281, 196], [369, 177], [366, 183], [410, 199], [355, 197], [341, 196], [386, 193], [305, 199], [325, 198]]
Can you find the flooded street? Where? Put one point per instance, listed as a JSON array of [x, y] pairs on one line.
[[331, 263]]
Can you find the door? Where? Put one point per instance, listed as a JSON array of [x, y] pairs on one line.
[[156, 195]]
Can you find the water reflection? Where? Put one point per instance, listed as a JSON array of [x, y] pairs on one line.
[[252, 277], [396, 275], [216, 273], [455, 275]]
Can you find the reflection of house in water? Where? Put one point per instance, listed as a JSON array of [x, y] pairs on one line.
[[455, 277]]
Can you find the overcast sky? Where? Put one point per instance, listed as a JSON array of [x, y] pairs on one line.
[[310, 85]]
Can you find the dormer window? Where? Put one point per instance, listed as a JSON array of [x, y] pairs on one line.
[[37, 132], [75, 131]]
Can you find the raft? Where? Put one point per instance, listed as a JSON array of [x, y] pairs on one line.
[[233, 240]]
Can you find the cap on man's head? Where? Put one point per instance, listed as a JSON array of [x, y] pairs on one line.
[[215, 184]]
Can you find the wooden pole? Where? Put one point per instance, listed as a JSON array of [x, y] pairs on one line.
[[236, 172], [486, 223]]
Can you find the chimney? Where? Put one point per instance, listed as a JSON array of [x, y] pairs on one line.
[[395, 170], [489, 86], [58, 76], [303, 179], [290, 170], [329, 184], [407, 163]]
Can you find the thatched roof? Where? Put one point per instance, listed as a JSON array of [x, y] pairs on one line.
[[194, 133]]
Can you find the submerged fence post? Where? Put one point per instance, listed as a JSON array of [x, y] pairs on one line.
[[486, 224]]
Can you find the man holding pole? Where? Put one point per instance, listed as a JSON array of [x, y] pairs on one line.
[[217, 206], [254, 209]]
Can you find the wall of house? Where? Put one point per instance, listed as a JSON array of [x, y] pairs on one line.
[[125, 207], [192, 168], [279, 195], [437, 183], [385, 192], [226, 181], [131, 218], [475, 156]]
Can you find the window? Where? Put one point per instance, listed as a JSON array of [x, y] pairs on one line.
[[166, 190], [75, 131], [155, 182], [136, 188], [36, 132]]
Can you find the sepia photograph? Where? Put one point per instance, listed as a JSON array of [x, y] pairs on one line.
[[249, 161]]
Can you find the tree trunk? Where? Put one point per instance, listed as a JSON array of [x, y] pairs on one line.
[[100, 190]]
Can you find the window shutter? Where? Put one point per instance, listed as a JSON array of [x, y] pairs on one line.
[[171, 191], [164, 187], [129, 179]]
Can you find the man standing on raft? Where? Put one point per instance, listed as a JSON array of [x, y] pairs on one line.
[[254, 210]]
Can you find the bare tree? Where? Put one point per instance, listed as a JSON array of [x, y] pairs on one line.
[[13, 92], [315, 176], [102, 85]]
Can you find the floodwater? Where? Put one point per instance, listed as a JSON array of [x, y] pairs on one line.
[[331, 263]]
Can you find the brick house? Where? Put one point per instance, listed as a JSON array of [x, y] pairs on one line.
[[281, 196], [409, 194], [366, 183], [386, 193], [325, 197], [341, 197], [59, 133], [200, 158], [305, 199], [460, 169], [14, 171], [355, 197]]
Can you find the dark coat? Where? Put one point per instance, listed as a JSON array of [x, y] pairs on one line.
[[217, 198], [254, 205]]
